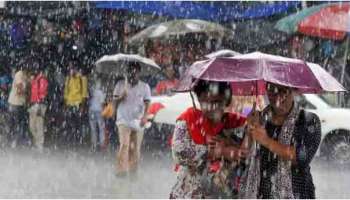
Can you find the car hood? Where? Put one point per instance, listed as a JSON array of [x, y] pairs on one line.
[[334, 118]]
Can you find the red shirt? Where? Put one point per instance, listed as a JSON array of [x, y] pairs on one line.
[[39, 86], [200, 127]]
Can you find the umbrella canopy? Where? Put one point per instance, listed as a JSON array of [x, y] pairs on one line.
[[218, 11], [118, 64], [290, 23], [180, 27], [222, 53], [327, 82], [330, 21], [249, 73]]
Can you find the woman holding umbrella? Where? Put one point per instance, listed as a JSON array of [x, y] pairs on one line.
[[287, 139], [203, 138], [282, 138]]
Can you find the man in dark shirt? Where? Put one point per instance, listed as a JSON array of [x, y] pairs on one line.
[[285, 140]]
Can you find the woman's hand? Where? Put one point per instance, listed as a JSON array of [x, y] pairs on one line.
[[253, 117], [215, 147], [255, 129], [258, 133]]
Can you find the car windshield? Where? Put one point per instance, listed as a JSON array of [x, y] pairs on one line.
[[331, 99]]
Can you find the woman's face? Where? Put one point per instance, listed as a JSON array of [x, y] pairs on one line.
[[280, 98], [212, 106], [72, 71]]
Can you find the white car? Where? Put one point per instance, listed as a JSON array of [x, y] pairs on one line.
[[335, 126]]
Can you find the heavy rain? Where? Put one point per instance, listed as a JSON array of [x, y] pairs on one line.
[[174, 99]]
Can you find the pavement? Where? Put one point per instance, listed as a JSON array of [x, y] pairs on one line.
[[27, 173]]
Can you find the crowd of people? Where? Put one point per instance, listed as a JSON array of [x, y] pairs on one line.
[[62, 47]]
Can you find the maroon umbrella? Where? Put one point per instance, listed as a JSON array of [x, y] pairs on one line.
[[249, 73]]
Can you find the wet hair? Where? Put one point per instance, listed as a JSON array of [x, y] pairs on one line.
[[223, 88], [135, 65]]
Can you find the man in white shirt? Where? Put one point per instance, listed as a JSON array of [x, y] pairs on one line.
[[132, 98]]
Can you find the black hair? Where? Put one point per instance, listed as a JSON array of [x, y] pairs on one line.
[[224, 89], [135, 65]]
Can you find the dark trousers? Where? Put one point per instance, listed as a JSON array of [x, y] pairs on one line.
[[73, 126], [18, 126], [111, 130], [5, 126]]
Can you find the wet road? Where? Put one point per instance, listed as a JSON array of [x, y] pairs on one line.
[[28, 174]]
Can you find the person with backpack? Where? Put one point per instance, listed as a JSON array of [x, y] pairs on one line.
[[38, 106], [283, 140]]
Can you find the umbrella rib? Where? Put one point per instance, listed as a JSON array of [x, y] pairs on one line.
[[264, 68]]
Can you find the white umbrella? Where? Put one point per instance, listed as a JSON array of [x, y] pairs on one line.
[[173, 107], [118, 64], [180, 27], [223, 53]]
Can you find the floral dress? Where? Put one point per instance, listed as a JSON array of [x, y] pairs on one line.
[[186, 153], [197, 176], [200, 182]]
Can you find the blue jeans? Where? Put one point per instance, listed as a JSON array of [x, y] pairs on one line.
[[96, 128]]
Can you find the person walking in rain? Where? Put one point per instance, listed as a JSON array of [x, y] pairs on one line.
[[37, 110], [132, 98], [204, 143], [97, 99], [18, 100], [5, 86], [286, 139], [75, 93]]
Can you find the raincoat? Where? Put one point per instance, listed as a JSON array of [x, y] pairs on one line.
[[75, 90]]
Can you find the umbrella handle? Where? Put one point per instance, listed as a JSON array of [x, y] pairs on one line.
[[194, 104], [125, 84]]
